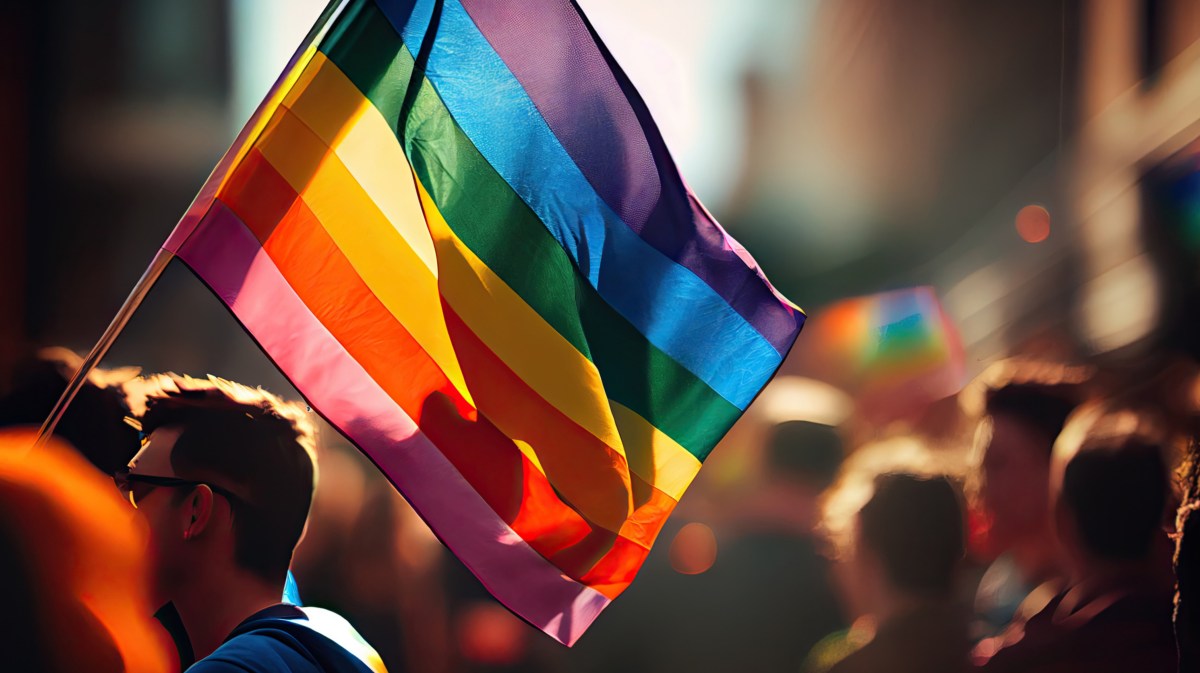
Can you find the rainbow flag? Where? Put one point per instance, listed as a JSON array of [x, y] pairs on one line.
[[456, 229], [891, 337], [894, 351]]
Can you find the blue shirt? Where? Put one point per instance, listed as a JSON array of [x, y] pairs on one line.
[[284, 639]]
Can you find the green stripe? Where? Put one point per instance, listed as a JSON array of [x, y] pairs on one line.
[[484, 211]]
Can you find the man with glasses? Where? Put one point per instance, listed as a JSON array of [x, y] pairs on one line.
[[225, 480]]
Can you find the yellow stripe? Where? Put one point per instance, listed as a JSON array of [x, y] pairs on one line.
[[654, 456], [344, 119], [380, 255], [533, 349], [526, 449]]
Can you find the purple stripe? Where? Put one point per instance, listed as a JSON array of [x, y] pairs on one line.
[[228, 258], [606, 128], [552, 55]]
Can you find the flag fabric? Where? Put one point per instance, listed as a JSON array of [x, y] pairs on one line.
[[892, 337], [455, 228], [895, 352]]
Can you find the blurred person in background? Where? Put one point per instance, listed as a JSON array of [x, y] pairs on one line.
[[909, 543], [769, 596], [751, 593], [1109, 489], [225, 481], [94, 424], [1025, 406], [72, 568], [1187, 561]]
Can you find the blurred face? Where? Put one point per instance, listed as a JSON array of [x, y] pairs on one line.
[[1015, 470], [861, 575], [163, 510]]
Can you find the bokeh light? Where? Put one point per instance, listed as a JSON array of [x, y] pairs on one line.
[[489, 634], [1033, 224], [694, 549]]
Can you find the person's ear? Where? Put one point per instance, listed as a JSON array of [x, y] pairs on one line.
[[198, 509]]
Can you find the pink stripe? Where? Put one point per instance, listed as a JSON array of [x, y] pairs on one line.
[[230, 260]]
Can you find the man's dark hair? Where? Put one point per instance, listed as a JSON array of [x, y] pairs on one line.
[[252, 443], [1115, 488], [1043, 408], [809, 452], [915, 526]]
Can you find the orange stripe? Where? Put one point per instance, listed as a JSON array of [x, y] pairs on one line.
[[574, 460], [652, 509], [617, 569]]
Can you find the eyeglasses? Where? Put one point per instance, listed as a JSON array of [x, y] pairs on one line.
[[134, 486]]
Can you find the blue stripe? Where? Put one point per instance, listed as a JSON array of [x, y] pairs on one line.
[[676, 310]]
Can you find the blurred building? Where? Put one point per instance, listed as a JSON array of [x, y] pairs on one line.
[[900, 142], [1132, 187], [114, 114]]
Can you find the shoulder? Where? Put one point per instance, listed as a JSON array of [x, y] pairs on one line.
[[334, 629], [256, 652], [214, 666], [318, 641]]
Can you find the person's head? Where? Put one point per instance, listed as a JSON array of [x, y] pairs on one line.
[[805, 453], [225, 479], [1014, 441], [911, 536], [1110, 488]]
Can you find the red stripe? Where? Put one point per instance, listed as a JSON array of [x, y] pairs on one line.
[[258, 194]]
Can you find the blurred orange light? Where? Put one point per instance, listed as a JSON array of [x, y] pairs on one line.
[[694, 549], [490, 634], [1033, 224], [82, 556]]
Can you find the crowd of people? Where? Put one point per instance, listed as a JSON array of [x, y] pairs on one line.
[[1041, 540]]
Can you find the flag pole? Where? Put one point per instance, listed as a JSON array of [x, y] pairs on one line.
[[147, 281]]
